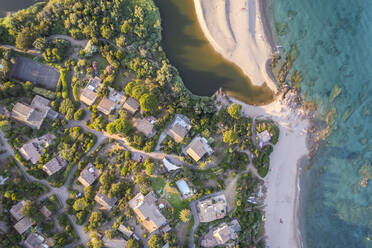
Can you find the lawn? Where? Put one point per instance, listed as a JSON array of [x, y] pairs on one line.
[[174, 199], [157, 184]]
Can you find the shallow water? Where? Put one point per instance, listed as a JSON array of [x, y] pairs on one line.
[[334, 55], [7, 6]]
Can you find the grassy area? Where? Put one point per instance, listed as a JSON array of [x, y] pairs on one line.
[[174, 199], [44, 92], [157, 184]]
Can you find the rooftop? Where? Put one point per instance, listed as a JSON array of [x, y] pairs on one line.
[[212, 208], [54, 165], [15, 210], [131, 105], [89, 175], [106, 106], [198, 147], [35, 240], [145, 127], [23, 225], [105, 201], [147, 211]]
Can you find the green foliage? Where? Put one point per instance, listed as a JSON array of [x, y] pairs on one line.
[[262, 160], [156, 241], [96, 220], [64, 81], [24, 39], [185, 215], [76, 93], [79, 114], [234, 110], [148, 102], [67, 108], [231, 137]]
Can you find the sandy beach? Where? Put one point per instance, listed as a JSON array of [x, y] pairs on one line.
[[236, 30]]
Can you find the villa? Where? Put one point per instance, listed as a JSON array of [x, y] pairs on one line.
[[105, 201], [145, 126], [147, 211], [54, 165], [264, 137], [23, 225], [15, 210], [221, 235], [106, 106], [89, 93], [33, 149], [212, 208], [89, 175], [114, 243], [179, 128], [35, 240], [197, 148], [33, 115], [131, 105]]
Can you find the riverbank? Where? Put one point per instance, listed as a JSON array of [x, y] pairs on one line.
[[282, 181], [225, 24]]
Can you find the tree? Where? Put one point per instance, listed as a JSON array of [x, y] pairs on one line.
[[132, 243], [41, 43], [24, 39], [80, 204], [95, 220], [185, 215], [66, 106], [149, 167], [234, 110], [148, 102], [79, 114], [156, 241], [231, 137], [30, 210], [111, 128]]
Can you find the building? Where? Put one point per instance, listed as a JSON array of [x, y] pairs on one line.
[[106, 106], [23, 225], [221, 235], [212, 208], [15, 210], [105, 201], [147, 211], [34, 148], [125, 230], [131, 105], [88, 175], [179, 128], [33, 115], [263, 137], [35, 240], [89, 93], [46, 212], [184, 189], [54, 165], [145, 126], [198, 147], [114, 243]]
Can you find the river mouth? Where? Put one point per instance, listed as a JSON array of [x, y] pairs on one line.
[[202, 69]]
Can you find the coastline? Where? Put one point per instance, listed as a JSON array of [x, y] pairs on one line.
[[225, 24], [282, 182]]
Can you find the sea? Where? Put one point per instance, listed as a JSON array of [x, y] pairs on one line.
[[334, 56]]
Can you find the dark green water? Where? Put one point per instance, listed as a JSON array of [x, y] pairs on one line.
[[202, 69], [14, 5]]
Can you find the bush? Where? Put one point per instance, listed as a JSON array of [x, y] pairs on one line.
[[64, 81], [79, 114]]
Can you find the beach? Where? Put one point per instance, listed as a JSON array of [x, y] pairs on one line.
[[236, 30]]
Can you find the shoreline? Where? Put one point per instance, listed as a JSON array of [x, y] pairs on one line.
[[238, 31], [282, 181]]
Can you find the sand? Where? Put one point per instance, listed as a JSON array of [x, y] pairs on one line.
[[282, 179], [236, 30]]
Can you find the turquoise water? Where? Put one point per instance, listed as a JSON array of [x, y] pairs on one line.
[[333, 39]]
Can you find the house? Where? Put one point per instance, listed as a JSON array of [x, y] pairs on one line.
[[89, 93], [89, 175], [114, 243], [33, 115], [35, 240], [105, 201], [23, 225], [198, 147], [131, 105], [46, 212], [145, 126], [125, 230], [212, 208], [15, 210], [222, 234], [184, 189], [264, 137], [147, 211], [169, 166], [179, 128], [106, 106], [33, 149], [54, 165]]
